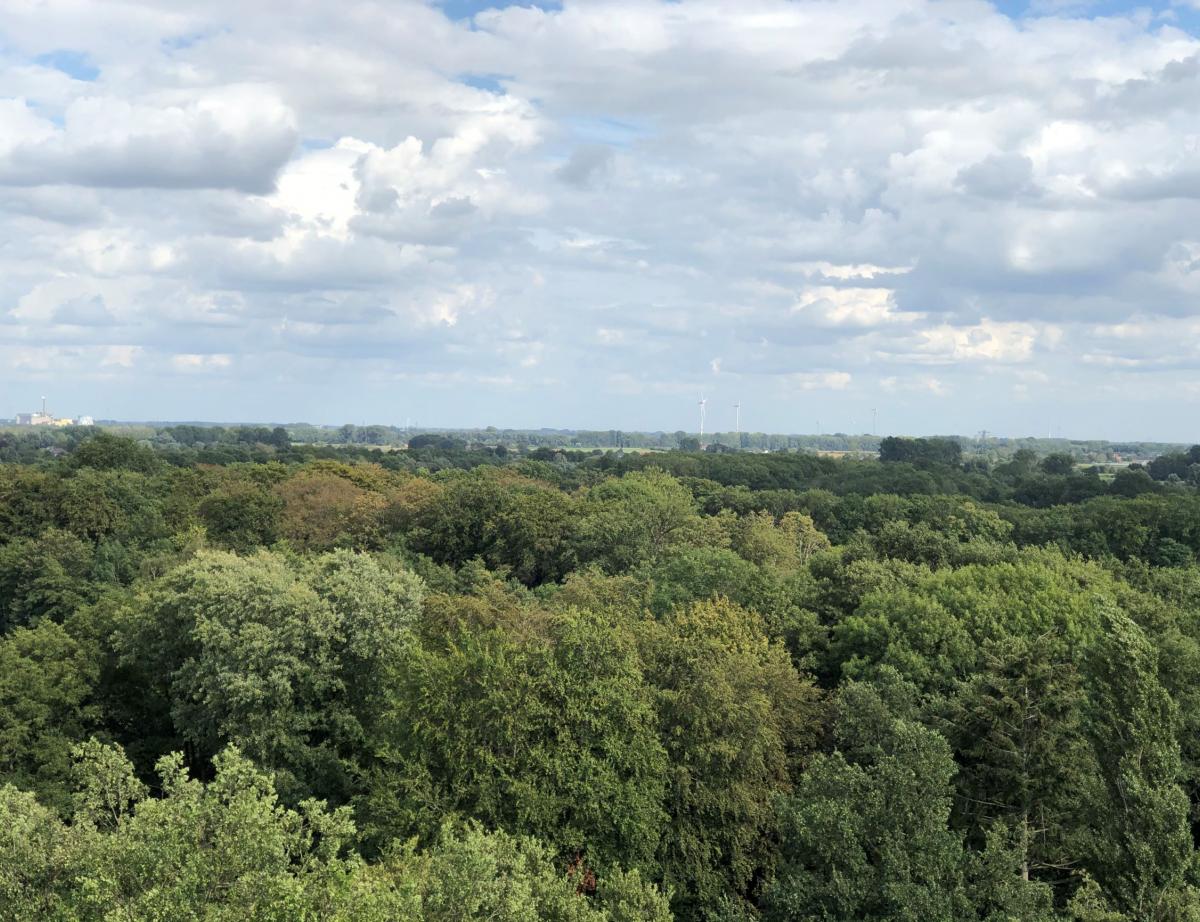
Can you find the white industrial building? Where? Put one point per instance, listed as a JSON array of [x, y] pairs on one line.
[[45, 418]]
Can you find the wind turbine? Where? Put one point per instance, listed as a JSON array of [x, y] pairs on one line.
[[702, 405], [737, 419]]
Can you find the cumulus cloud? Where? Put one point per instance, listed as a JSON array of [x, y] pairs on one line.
[[586, 164], [854, 307], [192, 363], [999, 176], [88, 312], [985, 342], [327, 212], [237, 138]]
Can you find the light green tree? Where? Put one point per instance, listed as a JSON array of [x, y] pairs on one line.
[[735, 719], [287, 661], [228, 851], [627, 521]]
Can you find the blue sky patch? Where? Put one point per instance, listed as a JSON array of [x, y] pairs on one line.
[[600, 130], [180, 42], [1166, 11], [77, 65], [489, 82], [465, 9]]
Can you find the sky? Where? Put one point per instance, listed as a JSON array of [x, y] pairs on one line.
[[962, 215]]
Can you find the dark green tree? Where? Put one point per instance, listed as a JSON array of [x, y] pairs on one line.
[[548, 732], [866, 835]]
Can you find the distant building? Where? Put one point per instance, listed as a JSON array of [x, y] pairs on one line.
[[45, 418]]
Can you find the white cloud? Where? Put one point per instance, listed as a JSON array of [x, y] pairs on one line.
[[120, 356], [856, 307], [191, 362], [817, 380], [830, 270], [987, 341], [915, 384], [233, 137], [320, 188]]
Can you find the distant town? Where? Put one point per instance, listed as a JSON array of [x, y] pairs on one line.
[[44, 417]]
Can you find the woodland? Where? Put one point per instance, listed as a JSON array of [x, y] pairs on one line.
[[246, 679]]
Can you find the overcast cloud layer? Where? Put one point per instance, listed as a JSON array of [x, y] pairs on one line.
[[587, 215]]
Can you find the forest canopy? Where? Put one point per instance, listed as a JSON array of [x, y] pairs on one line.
[[242, 678]]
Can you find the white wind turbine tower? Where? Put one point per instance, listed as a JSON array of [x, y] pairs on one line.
[[737, 419], [703, 402]]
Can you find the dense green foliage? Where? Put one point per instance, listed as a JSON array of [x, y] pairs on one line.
[[246, 679]]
